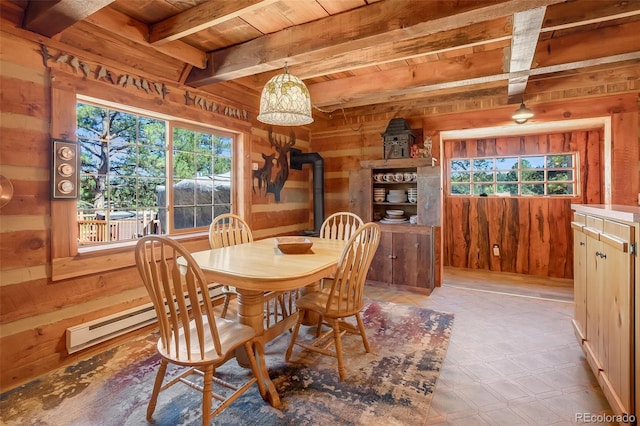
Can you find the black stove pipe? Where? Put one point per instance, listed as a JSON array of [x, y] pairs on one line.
[[296, 159]]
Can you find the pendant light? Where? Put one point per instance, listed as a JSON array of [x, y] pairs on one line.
[[285, 101], [522, 114]]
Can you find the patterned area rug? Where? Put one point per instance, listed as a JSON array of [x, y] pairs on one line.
[[392, 385]]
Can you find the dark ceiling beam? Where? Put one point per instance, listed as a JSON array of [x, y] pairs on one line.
[[483, 33], [201, 17], [321, 93], [117, 22], [351, 31], [51, 17], [572, 13]]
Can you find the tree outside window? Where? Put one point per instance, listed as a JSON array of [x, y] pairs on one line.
[[532, 175], [126, 186]]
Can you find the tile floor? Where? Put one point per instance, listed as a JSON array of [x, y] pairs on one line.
[[512, 359]]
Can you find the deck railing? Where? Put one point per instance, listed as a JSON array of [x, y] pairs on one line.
[[97, 231], [92, 231]]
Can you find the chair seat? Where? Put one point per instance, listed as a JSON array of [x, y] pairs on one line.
[[317, 302], [232, 335]]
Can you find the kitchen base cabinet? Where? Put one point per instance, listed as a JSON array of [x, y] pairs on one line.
[[607, 298], [580, 279], [404, 261]]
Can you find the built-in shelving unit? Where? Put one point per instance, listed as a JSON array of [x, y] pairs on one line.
[[406, 255]]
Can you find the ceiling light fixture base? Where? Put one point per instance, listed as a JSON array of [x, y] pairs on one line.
[[522, 114]]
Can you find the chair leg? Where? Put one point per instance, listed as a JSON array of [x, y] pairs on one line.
[[283, 306], [294, 334], [206, 395], [225, 306], [365, 341], [253, 363], [338, 342], [162, 369], [319, 327]]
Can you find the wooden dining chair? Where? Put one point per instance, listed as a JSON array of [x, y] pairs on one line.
[[340, 226], [228, 230], [191, 336], [344, 299]]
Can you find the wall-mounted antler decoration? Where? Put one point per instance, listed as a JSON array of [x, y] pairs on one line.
[[263, 176]]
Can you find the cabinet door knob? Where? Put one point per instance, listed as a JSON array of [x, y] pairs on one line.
[[581, 243], [392, 256]]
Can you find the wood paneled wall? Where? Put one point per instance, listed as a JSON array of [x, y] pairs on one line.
[[539, 226], [35, 311], [533, 233]]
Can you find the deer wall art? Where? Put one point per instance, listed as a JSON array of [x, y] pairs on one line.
[[272, 176]]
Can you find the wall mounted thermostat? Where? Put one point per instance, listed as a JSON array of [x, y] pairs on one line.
[[65, 177]]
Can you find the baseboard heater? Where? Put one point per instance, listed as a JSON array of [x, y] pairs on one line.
[[102, 329]]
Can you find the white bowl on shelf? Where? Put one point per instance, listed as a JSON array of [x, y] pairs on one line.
[[395, 213]]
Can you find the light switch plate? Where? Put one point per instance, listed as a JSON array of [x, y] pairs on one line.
[[65, 176]]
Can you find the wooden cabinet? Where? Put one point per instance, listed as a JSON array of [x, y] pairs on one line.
[[579, 278], [606, 297], [406, 256], [404, 260], [427, 183]]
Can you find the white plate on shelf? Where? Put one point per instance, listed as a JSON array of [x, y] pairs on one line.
[[393, 221]]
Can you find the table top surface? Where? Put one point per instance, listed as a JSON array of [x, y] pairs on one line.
[[260, 265]]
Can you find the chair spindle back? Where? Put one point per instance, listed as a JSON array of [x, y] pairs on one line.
[[340, 226], [179, 295], [228, 230], [347, 289]]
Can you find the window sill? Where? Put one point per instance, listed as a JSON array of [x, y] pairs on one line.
[[103, 258], [101, 248]]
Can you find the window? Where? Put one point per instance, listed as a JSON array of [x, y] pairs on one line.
[[142, 175], [551, 174]]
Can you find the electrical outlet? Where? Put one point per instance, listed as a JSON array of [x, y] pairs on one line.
[[496, 250], [254, 166]]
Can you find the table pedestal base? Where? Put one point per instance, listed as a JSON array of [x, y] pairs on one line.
[[250, 312]]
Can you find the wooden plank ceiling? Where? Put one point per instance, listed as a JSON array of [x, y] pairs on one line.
[[352, 53]]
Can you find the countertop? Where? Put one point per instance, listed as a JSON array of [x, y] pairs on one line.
[[611, 211]]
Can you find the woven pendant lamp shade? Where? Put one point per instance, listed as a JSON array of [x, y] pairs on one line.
[[285, 101]]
